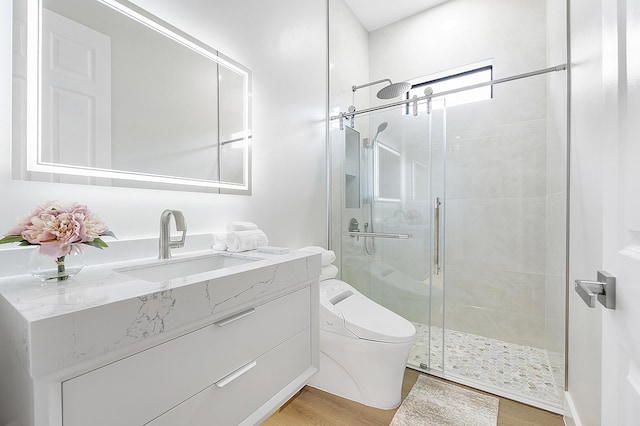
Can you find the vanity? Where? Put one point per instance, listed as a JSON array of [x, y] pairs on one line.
[[204, 338]]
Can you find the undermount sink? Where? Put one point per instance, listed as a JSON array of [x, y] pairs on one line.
[[163, 270]]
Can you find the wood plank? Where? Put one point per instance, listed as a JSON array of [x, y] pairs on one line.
[[315, 407]]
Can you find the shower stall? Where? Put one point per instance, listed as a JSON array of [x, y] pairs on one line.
[[456, 231], [453, 215]]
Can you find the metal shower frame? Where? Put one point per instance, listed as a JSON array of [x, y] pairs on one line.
[[352, 111]]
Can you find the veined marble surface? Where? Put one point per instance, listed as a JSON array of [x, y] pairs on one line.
[[57, 325]]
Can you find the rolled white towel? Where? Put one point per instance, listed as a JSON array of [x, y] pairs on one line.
[[241, 226], [246, 240], [328, 256], [219, 241], [328, 272]]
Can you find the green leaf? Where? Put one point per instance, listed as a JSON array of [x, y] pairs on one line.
[[109, 234], [97, 243], [12, 239]]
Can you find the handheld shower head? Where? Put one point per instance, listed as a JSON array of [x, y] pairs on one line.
[[381, 128]]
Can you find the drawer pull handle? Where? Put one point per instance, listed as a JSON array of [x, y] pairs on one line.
[[231, 377], [235, 317]]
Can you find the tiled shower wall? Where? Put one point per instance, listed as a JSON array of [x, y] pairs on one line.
[[504, 210]]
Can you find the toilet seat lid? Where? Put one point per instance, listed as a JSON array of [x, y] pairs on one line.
[[368, 320]]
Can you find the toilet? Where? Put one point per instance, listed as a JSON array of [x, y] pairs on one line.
[[363, 347]]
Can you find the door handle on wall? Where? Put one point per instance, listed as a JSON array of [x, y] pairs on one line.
[[604, 290]]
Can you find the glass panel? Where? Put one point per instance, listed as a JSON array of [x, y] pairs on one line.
[[396, 200], [437, 141], [496, 174], [505, 242]]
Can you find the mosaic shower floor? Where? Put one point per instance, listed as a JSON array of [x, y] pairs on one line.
[[523, 370]]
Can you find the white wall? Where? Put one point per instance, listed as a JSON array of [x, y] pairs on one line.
[[284, 43], [349, 66], [460, 32], [585, 243]]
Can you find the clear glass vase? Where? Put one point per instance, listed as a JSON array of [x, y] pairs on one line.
[[56, 269]]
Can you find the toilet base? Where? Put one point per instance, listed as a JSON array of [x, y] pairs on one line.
[[364, 371]]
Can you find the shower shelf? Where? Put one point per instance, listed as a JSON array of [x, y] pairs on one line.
[[378, 235]]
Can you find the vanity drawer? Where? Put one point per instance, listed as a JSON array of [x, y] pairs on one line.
[[231, 403], [139, 388]]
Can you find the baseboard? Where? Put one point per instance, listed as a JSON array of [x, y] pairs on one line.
[[571, 417]]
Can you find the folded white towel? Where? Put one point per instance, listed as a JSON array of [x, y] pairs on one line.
[[328, 256], [246, 240], [328, 272], [241, 226], [219, 241]]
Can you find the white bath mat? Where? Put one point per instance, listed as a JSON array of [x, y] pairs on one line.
[[438, 403]]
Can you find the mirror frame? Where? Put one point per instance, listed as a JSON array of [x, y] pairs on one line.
[[34, 107]]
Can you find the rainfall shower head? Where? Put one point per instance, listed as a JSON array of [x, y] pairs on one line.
[[394, 90], [390, 91]]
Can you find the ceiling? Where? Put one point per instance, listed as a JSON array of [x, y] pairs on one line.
[[376, 14]]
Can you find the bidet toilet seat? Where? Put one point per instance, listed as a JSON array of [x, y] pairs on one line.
[[345, 311]]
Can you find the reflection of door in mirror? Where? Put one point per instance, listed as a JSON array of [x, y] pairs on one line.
[[76, 95]]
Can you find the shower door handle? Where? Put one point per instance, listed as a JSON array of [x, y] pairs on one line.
[[436, 235]]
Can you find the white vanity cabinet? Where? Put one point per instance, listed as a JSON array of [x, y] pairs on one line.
[[141, 387], [238, 364]]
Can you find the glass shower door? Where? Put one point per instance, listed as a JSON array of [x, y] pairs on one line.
[[386, 227]]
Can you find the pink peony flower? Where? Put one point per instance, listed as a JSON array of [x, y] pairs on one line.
[[55, 248], [36, 231], [94, 226], [25, 222], [66, 227], [55, 226]]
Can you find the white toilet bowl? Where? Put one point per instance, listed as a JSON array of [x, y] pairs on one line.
[[363, 347]]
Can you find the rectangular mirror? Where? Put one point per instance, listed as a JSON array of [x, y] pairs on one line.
[[106, 93]]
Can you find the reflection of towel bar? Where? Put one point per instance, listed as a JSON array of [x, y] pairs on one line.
[[378, 235]]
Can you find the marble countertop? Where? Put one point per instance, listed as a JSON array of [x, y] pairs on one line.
[[56, 325]]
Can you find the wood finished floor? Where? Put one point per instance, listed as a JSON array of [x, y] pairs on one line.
[[315, 407]]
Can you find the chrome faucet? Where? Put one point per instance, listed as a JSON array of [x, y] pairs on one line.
[[166, 243]]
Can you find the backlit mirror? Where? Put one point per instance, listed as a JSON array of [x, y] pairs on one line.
[[106, 93]]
